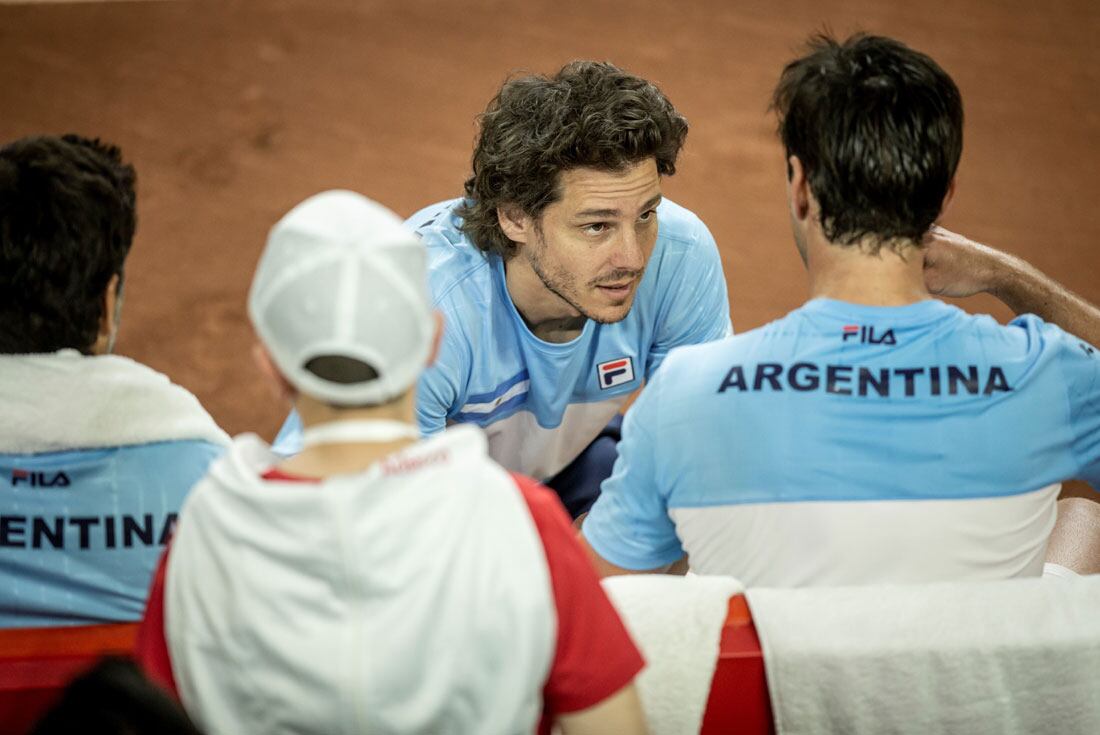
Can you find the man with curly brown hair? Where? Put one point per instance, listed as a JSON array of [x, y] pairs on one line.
[[564, 276]]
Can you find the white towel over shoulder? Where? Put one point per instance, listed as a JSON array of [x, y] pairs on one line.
[[65, 400]]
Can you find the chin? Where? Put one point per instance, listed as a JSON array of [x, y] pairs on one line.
[[609, 314]]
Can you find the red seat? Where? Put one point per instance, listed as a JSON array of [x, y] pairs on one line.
[[37, 663], [739, 700]]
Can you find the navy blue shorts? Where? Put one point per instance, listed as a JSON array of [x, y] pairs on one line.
[[578, 485]]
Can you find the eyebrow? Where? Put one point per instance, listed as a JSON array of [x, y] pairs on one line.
[[614, 212]]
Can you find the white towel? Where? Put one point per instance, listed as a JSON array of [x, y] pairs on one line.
[[1019, 656], [677, 624], [65, 400]]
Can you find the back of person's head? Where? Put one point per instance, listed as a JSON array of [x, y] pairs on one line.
[[340, 301], [877, 128], [66, 226], [115, 698], [590, 114]]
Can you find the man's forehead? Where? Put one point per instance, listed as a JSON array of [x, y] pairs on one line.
[[597, 190]]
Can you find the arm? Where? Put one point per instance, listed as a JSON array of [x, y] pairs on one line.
[[437, 391], [620, 713], [629, 530], [589, 687], [1075, 540], [957, 266], [604, 568]]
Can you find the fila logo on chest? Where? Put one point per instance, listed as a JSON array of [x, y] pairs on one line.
[[615, 372]]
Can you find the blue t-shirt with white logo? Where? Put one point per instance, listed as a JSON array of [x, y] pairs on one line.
[[849, 444], [542, 403]]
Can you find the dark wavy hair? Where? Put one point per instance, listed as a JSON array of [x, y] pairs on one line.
[[878, 129], [589, 114], [66, 225]]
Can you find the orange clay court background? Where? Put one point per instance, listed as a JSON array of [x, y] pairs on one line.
[[233, 112]]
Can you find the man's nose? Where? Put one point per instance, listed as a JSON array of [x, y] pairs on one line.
[[629, 253]]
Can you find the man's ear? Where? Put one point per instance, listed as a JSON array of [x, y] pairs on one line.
[[440, 325], [108, 322], [516, 224], [798, 189], [280, 386]]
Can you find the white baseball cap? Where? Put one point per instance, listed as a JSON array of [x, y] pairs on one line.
[[342, 276]]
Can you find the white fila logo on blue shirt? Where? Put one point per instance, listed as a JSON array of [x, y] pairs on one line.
[[615, 372]]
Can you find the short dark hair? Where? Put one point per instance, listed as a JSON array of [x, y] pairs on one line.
[[589, 114], [878, 129], [66, 225]]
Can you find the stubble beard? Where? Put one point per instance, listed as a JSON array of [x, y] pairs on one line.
[[563, 283]]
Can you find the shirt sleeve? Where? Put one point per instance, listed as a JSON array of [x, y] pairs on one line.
[[629, 524], [595, 656], [696, 307], [440, 386], [1080, 363], [151, 646]]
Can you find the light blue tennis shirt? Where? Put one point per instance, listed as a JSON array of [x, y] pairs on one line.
[[81, 531], [848, 444], [96, 457], [542, 403]]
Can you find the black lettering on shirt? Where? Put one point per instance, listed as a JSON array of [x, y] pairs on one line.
[[910, 375], [144, 532], [167, 529], [834, 376], [997, 381], [12, 529], [735, 378], [41, 529], [867, 379], [769, 371], [84, 523], [955, 377], [812, 380]]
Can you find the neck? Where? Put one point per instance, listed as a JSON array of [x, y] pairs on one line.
[[894, 276], [549, 317], [324, 460]]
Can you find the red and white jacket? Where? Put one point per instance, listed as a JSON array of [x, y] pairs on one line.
[[433, 592]]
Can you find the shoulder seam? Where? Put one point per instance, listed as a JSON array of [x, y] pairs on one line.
[[436, 301]]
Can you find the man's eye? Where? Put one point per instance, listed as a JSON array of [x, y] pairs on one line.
[[648, 215], [595, 228]]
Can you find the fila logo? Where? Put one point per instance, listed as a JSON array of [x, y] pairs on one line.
[[867, 335], [39, 479], [615, 372]]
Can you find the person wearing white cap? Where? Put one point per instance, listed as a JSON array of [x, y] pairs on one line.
[[375, 582]]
